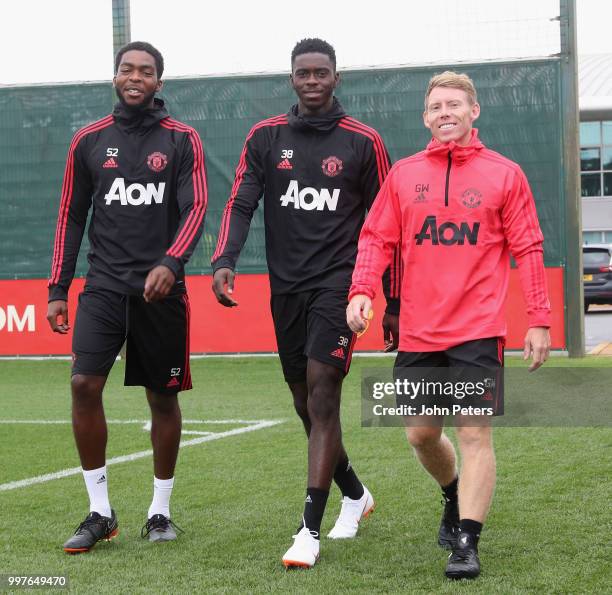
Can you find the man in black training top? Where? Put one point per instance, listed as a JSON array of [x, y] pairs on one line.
[[144, 175], [320, 171]]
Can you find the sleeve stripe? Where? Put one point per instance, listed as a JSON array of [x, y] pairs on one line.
[[393, 275], [240, 169], [382, 160], [383, 164], [66, 197], [171, 124], [196, 216], [529, 209], [379, 161], [224, 231], [200, 191], [396, 271]]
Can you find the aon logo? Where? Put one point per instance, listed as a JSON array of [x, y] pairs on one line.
[[447, 233], [310, 198], [135, 194]]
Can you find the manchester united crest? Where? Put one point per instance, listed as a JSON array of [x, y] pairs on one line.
[[157, 161], [331, 166], [471, 198]]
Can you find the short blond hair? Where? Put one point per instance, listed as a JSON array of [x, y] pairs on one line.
[[454, 80]]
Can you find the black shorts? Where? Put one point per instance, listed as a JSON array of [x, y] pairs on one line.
[[480, 353], [156, 336], [312, 324], [468, 357]]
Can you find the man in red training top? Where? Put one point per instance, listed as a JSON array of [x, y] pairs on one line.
[[461, 210]]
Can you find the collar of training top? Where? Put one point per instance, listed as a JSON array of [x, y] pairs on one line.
[[139, 119], [460, 154], [323, 123]]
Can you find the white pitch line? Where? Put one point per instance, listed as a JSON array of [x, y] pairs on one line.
[[255, 425], [195, 433]]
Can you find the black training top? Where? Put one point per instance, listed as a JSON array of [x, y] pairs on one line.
[[318, 177], [144, 174]]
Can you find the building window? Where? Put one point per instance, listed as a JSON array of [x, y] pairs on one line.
[[596, 158], [595, 237]]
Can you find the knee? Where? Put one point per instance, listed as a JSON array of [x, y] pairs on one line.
[[163, 405], [299, 392], [423, 437], [86, 389], [323, 406], [324, 386], [301, 407], [474, 438]]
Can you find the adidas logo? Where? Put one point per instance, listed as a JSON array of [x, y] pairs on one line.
[[284, 164], [420, 198], [110, 163], [101, 480], [173, 382], [308, 499], [338, 353]]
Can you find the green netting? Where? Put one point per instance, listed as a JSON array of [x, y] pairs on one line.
[[520, 118]]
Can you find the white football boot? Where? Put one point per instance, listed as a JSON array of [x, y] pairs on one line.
[[351, 513], [304, 552]]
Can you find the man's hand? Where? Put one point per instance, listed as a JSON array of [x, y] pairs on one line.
[[158, 284], [390, 324], [357, 312], [55, 310], [224, 277], [537, 345]]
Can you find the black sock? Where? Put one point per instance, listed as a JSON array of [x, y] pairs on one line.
[[314, 507], [451, 500], [346, 479], [450, 491], [472, 527]]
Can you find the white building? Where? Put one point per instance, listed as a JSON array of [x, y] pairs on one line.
[[595, 101]]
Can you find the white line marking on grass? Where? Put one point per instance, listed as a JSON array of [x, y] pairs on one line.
[[196, 433], [250, 426]]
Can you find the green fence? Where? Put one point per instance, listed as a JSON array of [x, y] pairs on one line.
[[521, 118]]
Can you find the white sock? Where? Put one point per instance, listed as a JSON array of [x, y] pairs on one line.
[[162, 490], [97, 489]]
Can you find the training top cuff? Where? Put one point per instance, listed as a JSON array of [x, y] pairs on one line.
[[539, 318], [361, 290], [57, 293], [223, 262], [173, 264]]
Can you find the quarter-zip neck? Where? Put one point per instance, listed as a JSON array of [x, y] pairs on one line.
[[323, 123], [139, 121], [457, 155], [448, 168]]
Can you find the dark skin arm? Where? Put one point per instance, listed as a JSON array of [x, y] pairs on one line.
[[58, 310], [223, 278], [158, 283], [390, 324]]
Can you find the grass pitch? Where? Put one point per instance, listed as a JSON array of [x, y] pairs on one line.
[[239, 497]]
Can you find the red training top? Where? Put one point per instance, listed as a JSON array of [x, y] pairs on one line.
[[460, 212]]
